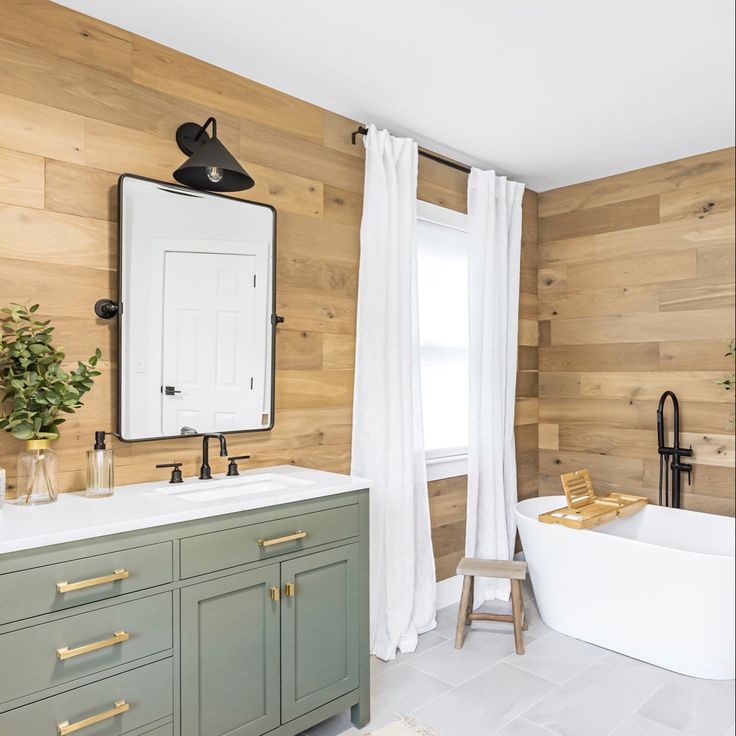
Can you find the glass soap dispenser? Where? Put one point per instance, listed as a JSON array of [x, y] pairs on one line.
[[100, 481]]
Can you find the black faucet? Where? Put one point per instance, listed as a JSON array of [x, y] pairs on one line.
[[205, 472], [669, 457]]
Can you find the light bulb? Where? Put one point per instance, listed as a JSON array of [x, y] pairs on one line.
[[214, 174]]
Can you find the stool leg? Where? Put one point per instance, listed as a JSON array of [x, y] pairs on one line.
[[469, 609], [525, 618], [463, 611], [518, 614]]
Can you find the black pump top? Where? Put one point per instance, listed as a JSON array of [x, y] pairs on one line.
[[100, 441]]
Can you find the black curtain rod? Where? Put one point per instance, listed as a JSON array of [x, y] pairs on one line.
[[362, 130]]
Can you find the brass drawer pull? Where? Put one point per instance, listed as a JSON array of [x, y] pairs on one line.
[[290, 589], [281, 540], [65, 728], [117, 638], [275, 594], [66, 587]]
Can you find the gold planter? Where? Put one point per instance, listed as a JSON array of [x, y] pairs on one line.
[[37, 474]]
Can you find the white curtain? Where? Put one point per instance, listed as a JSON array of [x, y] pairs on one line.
[[388, 444], [494, 227]]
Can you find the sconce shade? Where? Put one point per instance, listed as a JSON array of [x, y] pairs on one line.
[[210, 166]]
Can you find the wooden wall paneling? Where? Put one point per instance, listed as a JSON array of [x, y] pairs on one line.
[[713, 229], [343, 206], [171, 72], [40, 130], [527, 461], [338, 351], [21, 178], [35, 74], [277, 149], [706, 324], [608, 301], [694, 355], [299, 350], [601, 219], [644, 356], [708, 168], [633, 413], [696, 203], [713, 292], [69, 35], [47, 237], [549, 436], [630, 308], [81, 190], [447, 507]]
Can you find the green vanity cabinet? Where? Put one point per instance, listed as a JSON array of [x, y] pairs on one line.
[[247, 624], [229, 655]]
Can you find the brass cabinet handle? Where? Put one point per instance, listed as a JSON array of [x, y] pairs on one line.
[[65, 587], [275, 594], [117, 638], [281, 540], [290, 589], [120, 706]]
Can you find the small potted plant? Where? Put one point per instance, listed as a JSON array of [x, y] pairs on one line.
[[37, 391]]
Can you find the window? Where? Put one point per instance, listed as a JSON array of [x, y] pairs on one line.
[[442, 273]]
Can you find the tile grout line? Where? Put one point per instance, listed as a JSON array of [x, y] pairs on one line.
[[646, 700], [536, 702], [572, 677]]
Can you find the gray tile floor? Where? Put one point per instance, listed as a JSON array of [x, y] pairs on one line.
[[560, 687]]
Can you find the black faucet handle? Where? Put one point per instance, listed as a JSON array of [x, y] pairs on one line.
[[232, 468], [176, 476]]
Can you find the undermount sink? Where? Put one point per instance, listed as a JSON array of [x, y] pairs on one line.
[[200, 491]]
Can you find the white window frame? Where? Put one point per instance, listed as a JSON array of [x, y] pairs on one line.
[[446, 462]]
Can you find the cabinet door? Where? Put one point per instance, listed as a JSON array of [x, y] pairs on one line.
[[319, 629], [230, 655]]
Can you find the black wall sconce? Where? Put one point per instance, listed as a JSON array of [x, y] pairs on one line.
[[210, 165]]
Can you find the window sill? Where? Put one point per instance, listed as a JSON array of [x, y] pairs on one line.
[[439, 468]]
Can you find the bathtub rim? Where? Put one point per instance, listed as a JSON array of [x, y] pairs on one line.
[[562, 501]]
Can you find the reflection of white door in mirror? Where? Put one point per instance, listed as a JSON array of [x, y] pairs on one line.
[[212, 309]]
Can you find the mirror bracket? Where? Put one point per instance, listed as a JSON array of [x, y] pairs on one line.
[[106, 308], [277, 319]]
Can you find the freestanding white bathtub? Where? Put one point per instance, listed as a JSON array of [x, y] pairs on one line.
[[657, 586]]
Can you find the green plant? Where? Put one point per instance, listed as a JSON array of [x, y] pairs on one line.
[[730, 381], [37, 389]]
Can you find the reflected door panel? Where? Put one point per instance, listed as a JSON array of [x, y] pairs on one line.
[[209, 316]]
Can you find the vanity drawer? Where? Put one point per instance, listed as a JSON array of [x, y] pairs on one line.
[[122, 704], [63, 650], [231, 547], [167, 730], [75, 582]]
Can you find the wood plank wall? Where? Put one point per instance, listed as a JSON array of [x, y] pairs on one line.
[[82, 102], [636, 296]]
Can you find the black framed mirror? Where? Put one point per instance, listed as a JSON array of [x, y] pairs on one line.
[[196, 313]]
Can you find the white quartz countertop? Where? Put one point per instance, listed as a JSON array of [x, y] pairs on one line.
[[146, 505]]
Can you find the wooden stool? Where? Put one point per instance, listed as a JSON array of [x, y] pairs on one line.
[[469, 567]]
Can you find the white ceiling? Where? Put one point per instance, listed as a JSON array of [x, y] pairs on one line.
[[551, 92]]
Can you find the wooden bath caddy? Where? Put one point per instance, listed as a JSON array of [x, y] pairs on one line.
[[585, 510]]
